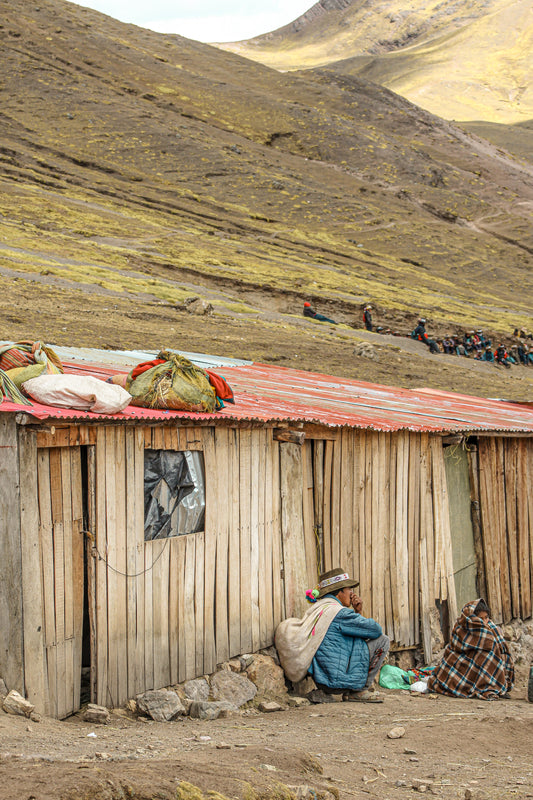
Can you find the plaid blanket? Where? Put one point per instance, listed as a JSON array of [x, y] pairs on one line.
[[477, 662]]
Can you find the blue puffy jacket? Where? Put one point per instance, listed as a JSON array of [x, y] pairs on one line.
[[341, 661]]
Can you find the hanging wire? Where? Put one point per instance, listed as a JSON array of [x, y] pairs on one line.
[[117, 571]]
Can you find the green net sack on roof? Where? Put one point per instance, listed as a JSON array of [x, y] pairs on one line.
[[175, 384]]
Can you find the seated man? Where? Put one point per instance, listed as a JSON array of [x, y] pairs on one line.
[[310, 312], [334, 642], [477, 662]]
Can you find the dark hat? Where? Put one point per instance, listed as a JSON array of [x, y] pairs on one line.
[[333, 580]]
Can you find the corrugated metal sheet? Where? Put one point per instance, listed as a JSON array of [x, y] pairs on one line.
[[265, 393]]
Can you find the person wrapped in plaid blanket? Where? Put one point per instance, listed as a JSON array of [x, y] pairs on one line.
[[477, 662]]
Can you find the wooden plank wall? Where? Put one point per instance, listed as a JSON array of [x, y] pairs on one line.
[[173, 609], [506, 502], [382, 503], [11, 595]]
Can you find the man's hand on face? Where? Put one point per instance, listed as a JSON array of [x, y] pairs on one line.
[[357, 603]]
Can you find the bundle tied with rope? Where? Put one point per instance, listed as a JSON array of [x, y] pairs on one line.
[[173, 382], [21, 361]]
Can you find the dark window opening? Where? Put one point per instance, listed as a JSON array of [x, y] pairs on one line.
[[174, 493]]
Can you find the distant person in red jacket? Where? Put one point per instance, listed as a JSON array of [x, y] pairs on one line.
[[367, 318], [310, 312]]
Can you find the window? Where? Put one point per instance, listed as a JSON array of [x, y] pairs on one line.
[[174, 493]]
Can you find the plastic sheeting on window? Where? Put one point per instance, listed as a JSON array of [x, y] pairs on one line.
[[174, 493]]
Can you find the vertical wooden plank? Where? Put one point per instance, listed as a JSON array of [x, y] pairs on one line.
[[173, 618], [529, 490], [440, 495], [264, 594], [254, 539], [91, 564], [328, 535], [361, 510], [504, 576], [267, 613], [193, 566], [119, 562], [345, 553], [78, 588], [234, 565], [131, 508], [395, 494], [334, 492], [522, 483], [199, 602], [377, 528], [181, 550], [354, 491], [292, 528], [475, 513], [46, 537], [308, 515], [487, 473], [149, 674], [32, 589], [101, 569], [510, 454], [278, 595], [222, 534], [318, 488], [370, 504], [160, 581], [426, 532], [138, 560], [113, 590], [59, 602], [211, 526], [413, 531], [68, 588], [244, 502]]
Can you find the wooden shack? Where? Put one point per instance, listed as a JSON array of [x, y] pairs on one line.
[[426, 497]]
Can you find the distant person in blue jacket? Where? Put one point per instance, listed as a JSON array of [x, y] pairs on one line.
[[309, 311], [354, 648]]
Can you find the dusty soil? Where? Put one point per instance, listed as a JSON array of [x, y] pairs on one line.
[[463, 748]]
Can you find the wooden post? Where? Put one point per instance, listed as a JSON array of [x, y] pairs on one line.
[[32, 591], [475, 514]]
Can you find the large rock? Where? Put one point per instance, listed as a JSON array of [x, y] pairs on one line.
[[96, 714], [197, 689], [268, 678], [232, 687], [14, 703], [201, 709], [161, 705]]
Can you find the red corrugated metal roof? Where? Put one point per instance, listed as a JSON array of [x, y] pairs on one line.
[[265, 393]]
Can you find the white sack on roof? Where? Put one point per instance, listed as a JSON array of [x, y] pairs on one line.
[[80, 392]]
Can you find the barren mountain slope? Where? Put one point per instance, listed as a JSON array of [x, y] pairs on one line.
[[464, 60], [145, 168]]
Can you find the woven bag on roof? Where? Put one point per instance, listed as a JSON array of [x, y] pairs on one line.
[[8, 391], [176, 384], [21, 354]]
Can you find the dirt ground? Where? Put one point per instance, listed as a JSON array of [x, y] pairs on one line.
[[340, 748]]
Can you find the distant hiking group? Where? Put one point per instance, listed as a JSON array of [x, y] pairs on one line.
[[470, 344]]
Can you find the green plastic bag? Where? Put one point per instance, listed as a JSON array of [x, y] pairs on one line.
[[176, 384], [392, 677]]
